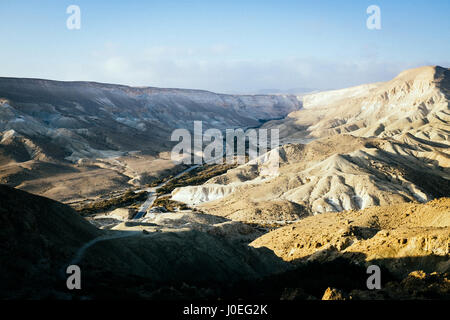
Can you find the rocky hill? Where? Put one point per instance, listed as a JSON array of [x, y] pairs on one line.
[[330, 174], [418, 232], [409, 242], [414, 102], [338, 171]]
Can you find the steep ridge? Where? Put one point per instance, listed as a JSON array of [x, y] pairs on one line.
[[416, 101]]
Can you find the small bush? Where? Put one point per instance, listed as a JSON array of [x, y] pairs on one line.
[[196, 177], [128, 198]]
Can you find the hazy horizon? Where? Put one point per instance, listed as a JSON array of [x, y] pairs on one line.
[[228, 47]]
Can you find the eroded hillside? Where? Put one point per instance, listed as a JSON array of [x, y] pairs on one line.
[[394, 150], [56, 136]]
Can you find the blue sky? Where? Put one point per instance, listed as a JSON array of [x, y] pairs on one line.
[[226, 46]]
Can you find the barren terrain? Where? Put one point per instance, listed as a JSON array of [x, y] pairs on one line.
[[346, 169]]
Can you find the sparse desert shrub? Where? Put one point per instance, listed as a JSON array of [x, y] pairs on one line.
[[196, 177], [128, 198], [169, 204]]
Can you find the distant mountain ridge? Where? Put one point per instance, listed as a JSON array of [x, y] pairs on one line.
[[90, 119], [416, 101]]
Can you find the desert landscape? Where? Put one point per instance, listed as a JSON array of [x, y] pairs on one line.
[[363, 179]]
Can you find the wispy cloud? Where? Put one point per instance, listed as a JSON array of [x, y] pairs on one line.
[[217, 68], [213, 68]]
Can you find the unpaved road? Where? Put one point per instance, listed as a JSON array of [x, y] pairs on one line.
[[142, 211], [152, 193], [79, 254]]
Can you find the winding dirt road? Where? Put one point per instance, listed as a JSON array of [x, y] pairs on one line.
[[152, 193]]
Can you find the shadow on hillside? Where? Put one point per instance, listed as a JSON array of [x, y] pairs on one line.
[[434, 184], [131, 268], [39, 237], [307, 279], [347, 272], [411, 168]]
